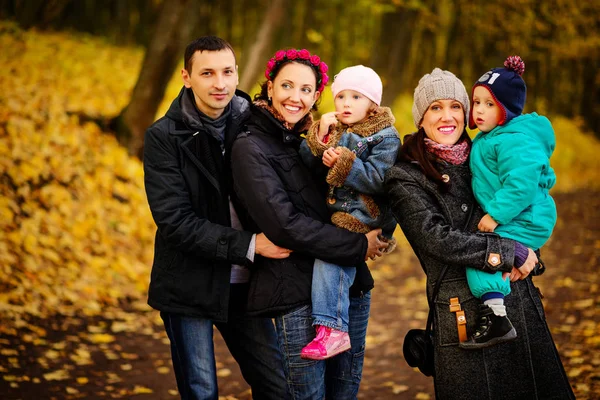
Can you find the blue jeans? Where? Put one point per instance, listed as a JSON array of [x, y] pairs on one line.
[[251, 341], [337, 378], [330, 299]]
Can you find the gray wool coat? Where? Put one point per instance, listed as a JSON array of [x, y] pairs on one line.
[[441, 230]]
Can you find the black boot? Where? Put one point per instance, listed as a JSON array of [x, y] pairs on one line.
[[491, 329]]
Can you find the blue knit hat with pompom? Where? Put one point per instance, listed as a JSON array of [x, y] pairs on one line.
[[507, 87]]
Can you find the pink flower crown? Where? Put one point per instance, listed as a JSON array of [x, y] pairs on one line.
[[293, 54]]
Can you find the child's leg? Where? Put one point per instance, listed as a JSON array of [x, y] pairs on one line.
[[330, 294], [493, 325], [330, 303], [481, 283]]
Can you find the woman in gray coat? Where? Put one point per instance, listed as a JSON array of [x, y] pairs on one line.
[[431, 197]]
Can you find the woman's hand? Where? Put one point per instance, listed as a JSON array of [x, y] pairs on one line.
[[376, 246], [327, 120], [330, 157], [487, 224], [268, 249], [529, 265]]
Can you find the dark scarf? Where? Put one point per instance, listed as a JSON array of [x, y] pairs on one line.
[[452, 153], [196, 119]]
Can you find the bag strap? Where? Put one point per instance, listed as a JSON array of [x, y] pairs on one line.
[[436, 290]]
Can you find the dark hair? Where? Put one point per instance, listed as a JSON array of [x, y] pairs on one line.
[[413, 149], [264, 90], [204, 43]]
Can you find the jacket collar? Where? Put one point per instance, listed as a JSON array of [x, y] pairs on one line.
[[380, 119], [239, 111], [273, 123]]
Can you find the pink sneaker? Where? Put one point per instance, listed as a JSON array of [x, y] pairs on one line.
[[328, 343]]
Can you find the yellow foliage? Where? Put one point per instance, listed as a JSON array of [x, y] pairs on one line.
[[76, 233]]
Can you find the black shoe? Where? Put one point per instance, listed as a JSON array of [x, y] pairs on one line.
[[491, 330]]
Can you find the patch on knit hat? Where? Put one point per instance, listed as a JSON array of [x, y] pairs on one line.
[[438, 85], [508, 88], [360, 79]]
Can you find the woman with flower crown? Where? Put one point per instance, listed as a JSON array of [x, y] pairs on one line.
[[281, 197]]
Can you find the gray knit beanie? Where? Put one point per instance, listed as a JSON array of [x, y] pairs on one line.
[[438, 85]]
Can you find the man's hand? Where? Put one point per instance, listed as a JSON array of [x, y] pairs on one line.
[[268, 249], [327, 120], [487, 224], [529, 265], [376, 246], [330, 157]]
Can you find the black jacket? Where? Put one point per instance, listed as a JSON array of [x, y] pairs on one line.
[[188, 182], [283, 201]]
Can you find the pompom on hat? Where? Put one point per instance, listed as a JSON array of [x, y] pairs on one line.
[[438, 85], [361, 79], [506, 86]]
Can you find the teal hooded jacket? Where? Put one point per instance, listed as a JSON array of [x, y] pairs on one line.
[[512, 176]]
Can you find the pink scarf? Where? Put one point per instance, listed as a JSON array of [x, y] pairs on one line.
[[453, 153]]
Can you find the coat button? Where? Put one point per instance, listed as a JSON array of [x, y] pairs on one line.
[[223, 241], [446, 178], [288, 137], [464, 207]]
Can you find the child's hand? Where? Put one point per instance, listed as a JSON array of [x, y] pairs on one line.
[[327, 120], [330, 157], [487, 224]]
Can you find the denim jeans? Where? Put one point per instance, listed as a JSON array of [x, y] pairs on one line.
[[251, 341], [337, 378], [330, 299]]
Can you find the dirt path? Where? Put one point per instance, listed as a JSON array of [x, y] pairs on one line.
[[126, 354]]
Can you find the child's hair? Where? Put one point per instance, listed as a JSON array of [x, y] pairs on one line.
[[507, 87], [360, 79]]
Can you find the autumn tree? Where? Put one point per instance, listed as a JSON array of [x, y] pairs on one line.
[[259, 50], [173, 30]]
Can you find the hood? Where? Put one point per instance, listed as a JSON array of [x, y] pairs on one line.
[[240, 106], [533, 126]]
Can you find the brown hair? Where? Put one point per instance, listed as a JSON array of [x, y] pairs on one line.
[[204, 43], [264, 90]]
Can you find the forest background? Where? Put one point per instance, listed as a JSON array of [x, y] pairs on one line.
[[81, 80]]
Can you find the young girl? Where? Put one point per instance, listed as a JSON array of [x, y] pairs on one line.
[[510, 162], [358, 142]]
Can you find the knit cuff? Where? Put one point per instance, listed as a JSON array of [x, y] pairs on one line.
[[521, 254]]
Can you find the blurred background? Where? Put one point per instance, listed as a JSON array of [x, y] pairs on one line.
[[81, 80]]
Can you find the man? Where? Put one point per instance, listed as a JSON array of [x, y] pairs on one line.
[[199, 276]]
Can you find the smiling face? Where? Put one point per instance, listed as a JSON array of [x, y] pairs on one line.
[[352, 106], [486, 112], [444, 121], [293, 91], [213, 79]]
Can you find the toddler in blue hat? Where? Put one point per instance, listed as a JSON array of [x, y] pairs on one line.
[[510, 162]]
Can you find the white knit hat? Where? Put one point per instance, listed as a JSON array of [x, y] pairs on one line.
[[438, 85], [361, 79]]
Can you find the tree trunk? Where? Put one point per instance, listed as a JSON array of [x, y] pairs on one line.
[[257, 51], [172, 32], [400, 26]]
